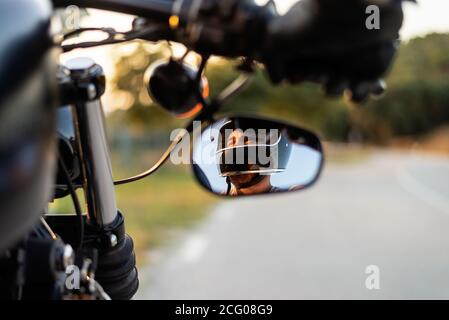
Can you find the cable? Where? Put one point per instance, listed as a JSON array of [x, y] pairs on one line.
[[202, 67], [75, 200], [49, 230], [160, 162], [126, 36], [177, 139], [227, 94]]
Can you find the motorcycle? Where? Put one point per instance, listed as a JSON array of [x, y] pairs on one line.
[[89, 255]]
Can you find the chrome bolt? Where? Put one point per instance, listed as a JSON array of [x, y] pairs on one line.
[[68, 257], [114, 240]]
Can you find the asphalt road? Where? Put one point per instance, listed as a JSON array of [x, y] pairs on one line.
[[390, 211]]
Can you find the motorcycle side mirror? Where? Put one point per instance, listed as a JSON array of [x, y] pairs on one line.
[[242, 156]]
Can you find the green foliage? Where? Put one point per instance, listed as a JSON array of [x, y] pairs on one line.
[[418, 97], [415, 108], [129, 77], [303, 105], [416, 101]]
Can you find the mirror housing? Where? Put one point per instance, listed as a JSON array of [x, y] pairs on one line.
[[243, 156]]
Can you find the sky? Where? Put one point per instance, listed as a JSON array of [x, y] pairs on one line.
[[422, 18], [425, 17]]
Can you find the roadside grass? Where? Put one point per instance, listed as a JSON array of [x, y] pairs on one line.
[[435, 142], [165, 202]]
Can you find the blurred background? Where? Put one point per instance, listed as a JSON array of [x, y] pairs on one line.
[[382, 200]]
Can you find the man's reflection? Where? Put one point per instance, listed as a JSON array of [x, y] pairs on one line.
[[248, 157]]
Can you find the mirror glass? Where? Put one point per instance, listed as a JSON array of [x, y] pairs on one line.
[[241, 156]]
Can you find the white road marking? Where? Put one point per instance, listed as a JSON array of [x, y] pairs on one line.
[[193, 249], [421, 191]]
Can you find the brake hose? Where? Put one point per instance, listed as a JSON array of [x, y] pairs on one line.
[[75, 200]]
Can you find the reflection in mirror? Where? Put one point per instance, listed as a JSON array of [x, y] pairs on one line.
[[247, 156]]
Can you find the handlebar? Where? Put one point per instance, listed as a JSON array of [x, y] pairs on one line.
[[316, 41], [229, 28]]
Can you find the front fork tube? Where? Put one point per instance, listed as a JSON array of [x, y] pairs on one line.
[[87, 85], [98, 181]]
